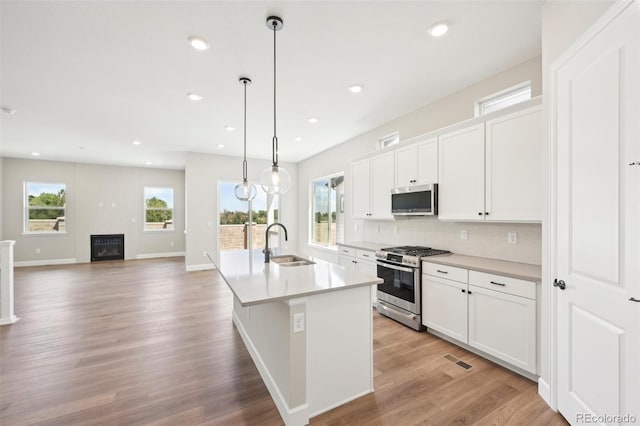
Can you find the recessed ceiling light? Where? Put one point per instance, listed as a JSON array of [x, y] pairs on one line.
[[298, 138], [312, 120], [229, 128], [148, 163], [220, 145], [356, 88], [194, 97], [198, 43], [8, 110], [136, 142], [35, 154], [439, 29]]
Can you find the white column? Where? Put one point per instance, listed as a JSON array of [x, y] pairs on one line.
[[6, 283]]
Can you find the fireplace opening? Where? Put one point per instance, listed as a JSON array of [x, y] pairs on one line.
[[107, 247]]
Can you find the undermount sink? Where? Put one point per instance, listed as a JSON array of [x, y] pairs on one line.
[[291, 260]]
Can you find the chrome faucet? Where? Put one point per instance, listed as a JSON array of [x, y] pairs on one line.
[[266, 239]]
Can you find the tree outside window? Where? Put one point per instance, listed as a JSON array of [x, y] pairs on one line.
[[45, 207], [158, 209]]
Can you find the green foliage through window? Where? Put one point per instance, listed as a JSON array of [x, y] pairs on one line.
[[158, 209], [45, 207]]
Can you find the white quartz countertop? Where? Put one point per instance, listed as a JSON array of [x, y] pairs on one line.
[[365, 245], [254, 282], [523, 271]]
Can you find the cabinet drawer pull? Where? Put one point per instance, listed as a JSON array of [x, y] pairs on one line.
[[345, 251], [500, 284], [442, 272], [463, 290], [365, 255]]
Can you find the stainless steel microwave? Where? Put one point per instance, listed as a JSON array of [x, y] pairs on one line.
[[419, 200]]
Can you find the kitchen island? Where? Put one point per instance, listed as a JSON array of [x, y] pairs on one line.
[[308, 329]]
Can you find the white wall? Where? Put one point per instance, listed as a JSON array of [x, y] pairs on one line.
[[484, 239], [562, 23], [100, 200], [202, 174], [1, 200]]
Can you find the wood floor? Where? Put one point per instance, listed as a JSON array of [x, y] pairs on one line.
[[143, 342]]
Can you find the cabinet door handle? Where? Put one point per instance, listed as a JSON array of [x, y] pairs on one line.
[[633, 299], [500, 284], [463, 290], [469, 292], [486, 213], [442, 272], [479, 213], [353, 261], [560, 284]]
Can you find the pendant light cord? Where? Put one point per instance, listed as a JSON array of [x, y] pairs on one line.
[[244, 160], [274, 142]]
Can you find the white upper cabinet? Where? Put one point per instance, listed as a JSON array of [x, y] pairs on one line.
[[417, 164], [514, 167], [360, 188], [372, 182], [492, 171], [461, 177]]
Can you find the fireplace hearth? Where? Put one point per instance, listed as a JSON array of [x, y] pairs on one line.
[[107, 247]]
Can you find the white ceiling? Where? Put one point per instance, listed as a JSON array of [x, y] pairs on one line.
[[87, 78]]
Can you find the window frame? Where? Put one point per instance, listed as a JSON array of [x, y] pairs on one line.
[[389, 140], [145, 209], [26, 209], [311, 214], [503, 96]]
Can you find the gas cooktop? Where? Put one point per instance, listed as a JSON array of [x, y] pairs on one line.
[[407, 255]]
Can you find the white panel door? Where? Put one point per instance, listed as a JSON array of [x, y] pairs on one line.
[[381, 185], [514, 167], [405, 166], [427, 156], [504, 326], [444, 306], [461, 174], [360, 189], [597, 122]]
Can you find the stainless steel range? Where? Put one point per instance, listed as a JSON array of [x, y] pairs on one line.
[[399, 295]]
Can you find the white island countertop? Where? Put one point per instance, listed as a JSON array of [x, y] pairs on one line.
[[254, 282]]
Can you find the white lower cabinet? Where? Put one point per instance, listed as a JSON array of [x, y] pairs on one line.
[[504, 326], [362, 261], [492, 313], [444, 306]]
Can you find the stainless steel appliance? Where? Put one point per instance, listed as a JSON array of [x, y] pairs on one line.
[[421, 200], [399, 294]]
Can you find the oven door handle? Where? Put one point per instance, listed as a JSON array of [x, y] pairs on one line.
[[393, 266]]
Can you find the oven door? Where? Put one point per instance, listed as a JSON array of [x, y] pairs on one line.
[[401, 286]]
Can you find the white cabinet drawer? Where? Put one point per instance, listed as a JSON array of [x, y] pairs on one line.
[[503, 284], [347, 251], [366, 255], [444, 271]]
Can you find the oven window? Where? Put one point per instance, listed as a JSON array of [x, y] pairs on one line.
[[397, 283]]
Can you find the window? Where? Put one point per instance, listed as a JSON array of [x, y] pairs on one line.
[[44, 207], [158, 209], [234, 219], [389, 140], [504, 98], [327, 212]]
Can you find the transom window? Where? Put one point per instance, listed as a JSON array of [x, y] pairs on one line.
[[327, 212], [389, 140], [158, 209], [44, 208], [504, 98]]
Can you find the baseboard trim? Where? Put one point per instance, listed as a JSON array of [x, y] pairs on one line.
[[8, 321], [202, 267], [338, 404], [296, 416], [156, 255], [44, 262], [544, 390]]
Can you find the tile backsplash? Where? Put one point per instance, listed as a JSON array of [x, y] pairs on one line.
[[483, 239]]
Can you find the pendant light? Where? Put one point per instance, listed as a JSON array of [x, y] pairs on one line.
[[275, 179], [244, 190]]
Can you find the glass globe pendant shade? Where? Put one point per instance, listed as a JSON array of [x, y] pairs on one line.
[[245, 191], [275, 180]]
